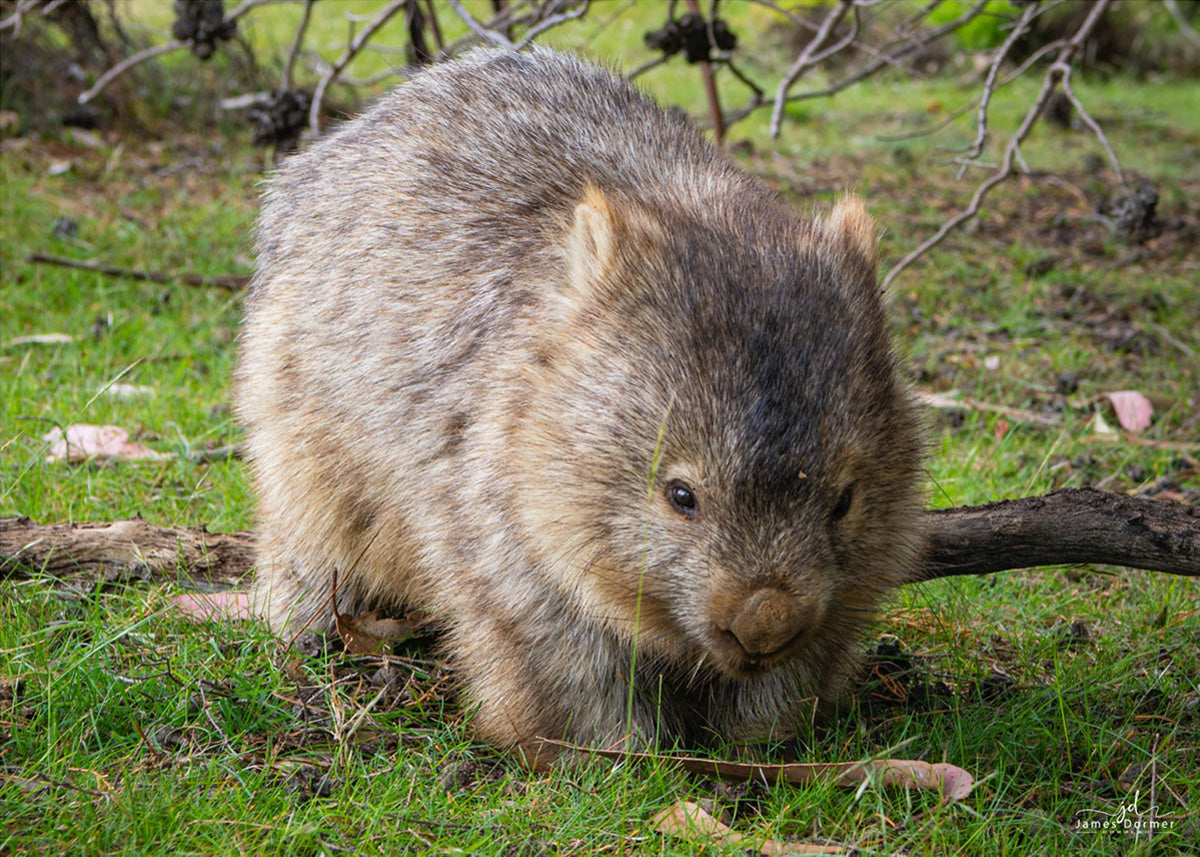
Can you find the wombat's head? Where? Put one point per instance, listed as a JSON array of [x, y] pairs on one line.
[[720, 460]]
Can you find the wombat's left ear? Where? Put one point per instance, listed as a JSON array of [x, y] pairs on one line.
[[855, 238], [591, 242]]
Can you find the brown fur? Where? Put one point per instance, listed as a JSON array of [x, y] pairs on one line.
[[506, 327]]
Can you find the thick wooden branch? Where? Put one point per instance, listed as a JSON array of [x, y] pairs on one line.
[[1063, 528], [1067, 527]]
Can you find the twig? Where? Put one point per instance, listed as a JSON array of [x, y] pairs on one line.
[[128, 63], [225, 281], [478, 29], [1004, 81], [247, 5], [206, 707], [646, 66], [710, 84], [1092, 124], [884, 58], [13, 21], [553, 21], [1153, 784], [808, 57], [431, 17], [377, 77], [352, 50], [1181, 21], [288, 66], [1171, 340], [989, 84], [220, 453], [1012, 150]]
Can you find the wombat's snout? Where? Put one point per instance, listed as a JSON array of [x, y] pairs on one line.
[[764, 626]]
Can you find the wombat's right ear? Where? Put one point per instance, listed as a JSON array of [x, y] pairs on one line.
[[591, 243], [850, 223], [853, 235]]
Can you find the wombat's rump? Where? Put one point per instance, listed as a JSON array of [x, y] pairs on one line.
[[523, 350]]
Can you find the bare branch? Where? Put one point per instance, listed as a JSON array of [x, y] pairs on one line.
[[989, 84], [885, 57], [352, 50], [377, 78], [808, 57], [1064, 527], [128, 63], [224, 281], [431, 17], [286, 82], [13, 21], [1012, 151], [248, 5], [553, 21], [646, 66], [485, 33], [1092, 124], [1185, 26], [710, 85]]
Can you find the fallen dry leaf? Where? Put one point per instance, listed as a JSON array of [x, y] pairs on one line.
[[1100, 428], [687, 820], [82, 441], [951, 781], [1134, 410], [366, 633], [128, 391], [42, 339]]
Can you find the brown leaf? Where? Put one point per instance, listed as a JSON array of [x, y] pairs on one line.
[[687, 820], [367, 633], [82, 441]]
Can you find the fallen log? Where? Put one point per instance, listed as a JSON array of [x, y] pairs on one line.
[[131, 546], [1067, 527]]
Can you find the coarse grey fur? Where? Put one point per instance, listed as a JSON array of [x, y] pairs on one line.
[[522, 349]]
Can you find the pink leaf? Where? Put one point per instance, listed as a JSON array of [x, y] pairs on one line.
[[215, 606], [82, 441], [1133, 410]]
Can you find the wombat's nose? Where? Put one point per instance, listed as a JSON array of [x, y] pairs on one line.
[[769, 620]]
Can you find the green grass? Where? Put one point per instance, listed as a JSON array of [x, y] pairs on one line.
[[126, 729]]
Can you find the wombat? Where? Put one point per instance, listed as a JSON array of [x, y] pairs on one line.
[[524, 351]]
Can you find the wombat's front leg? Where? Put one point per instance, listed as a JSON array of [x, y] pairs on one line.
[[538, 676]]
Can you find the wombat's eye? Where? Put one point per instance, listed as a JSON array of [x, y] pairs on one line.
[[843, 504], [682, 499]]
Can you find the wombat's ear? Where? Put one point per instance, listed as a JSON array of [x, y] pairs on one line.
[[591, 242], [853, 233]]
